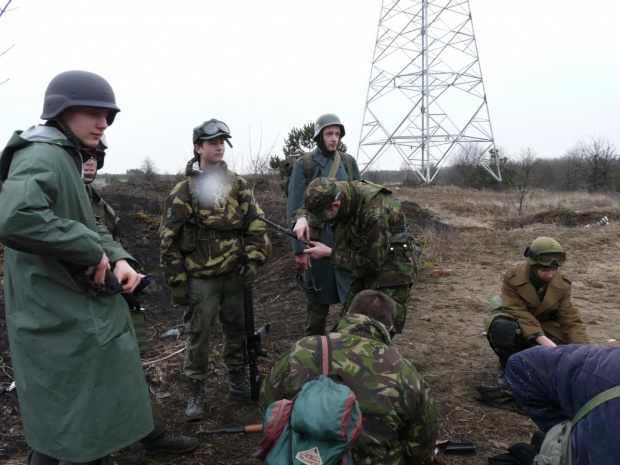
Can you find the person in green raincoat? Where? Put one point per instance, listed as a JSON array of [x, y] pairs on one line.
[[81, 388]]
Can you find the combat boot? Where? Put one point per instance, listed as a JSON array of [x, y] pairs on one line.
[[196, 402], [239, 386], [168, 443]]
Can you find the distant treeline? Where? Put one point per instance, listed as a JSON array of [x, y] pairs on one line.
[[592, 166]]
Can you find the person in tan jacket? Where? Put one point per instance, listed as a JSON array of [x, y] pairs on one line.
[[535, 306]]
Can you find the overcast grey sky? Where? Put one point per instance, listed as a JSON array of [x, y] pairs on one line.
[[550, 69]]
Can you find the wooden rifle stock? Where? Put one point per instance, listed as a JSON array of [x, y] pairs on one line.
[[248, 429]]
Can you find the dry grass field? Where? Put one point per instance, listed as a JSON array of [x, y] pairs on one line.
[[472, 237]]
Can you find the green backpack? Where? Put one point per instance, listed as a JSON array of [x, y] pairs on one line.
[[319, 426], [556, 449]]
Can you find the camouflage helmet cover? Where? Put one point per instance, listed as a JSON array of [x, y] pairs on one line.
[[328, 119], [545, 251], [78, 89], [319, 195]]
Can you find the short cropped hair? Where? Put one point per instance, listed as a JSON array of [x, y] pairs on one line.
[[376, 305]]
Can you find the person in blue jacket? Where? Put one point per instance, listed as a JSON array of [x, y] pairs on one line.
[[551, 384]]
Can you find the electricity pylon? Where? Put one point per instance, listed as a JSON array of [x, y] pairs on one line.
[[426, 97]]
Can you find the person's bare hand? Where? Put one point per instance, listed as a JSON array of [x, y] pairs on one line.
[[101, 268], [303, 261], [545, 341], [318, 250], [302, 230], [126, 275]]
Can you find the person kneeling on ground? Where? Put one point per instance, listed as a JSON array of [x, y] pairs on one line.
[[399, 416], [551, 384], [535, 306]]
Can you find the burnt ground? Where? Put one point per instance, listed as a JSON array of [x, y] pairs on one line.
[[443, 336]]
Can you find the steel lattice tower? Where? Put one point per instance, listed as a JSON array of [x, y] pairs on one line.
[[426, 97]]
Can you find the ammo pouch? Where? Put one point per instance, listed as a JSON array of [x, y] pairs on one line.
[[210, 234], [187, 241]]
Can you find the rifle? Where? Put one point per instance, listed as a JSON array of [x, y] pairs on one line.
[[299, 277], [445, 447], [252, 349], [248, 429], [282, 229]]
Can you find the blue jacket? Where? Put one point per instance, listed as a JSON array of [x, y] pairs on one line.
[[551, 384]]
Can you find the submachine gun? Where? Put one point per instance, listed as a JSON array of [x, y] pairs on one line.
[[299, 277], [252, 342], [282, 229]]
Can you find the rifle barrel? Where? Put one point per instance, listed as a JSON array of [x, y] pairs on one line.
[[282, 229]]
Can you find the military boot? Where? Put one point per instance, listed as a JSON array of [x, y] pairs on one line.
[[239, 386], [196, 402], [500, 380], [168, 443]]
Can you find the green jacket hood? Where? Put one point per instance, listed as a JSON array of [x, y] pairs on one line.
[[20, 139], [363, 326]]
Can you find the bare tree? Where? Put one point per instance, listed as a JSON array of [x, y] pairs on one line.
[[259, 161], [599, 162], [149, 169], [526, 178]]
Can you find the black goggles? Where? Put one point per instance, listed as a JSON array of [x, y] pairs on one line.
[[215, 127], [546, 258]]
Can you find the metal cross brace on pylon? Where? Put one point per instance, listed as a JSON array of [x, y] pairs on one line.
[[426, 98]]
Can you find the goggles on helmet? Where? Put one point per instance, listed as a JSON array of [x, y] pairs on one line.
[[215, 127], [546, 258]]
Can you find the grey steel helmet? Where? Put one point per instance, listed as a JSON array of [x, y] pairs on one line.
[[78, 88], [328, 119]]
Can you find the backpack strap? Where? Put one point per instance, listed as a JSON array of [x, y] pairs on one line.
[[325, 354], [335, 165], [192, 187], [308, 167], [595, 402], [348, 166]]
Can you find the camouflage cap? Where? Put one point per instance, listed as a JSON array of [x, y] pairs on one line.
[[319, 195]]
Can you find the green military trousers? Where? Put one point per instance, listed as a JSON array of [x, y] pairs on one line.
[[219, 296]]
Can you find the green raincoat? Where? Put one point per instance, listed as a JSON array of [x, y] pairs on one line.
[[80, 383]]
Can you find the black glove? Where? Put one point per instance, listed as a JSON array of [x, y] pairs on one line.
[[133, 299], [248, 273]]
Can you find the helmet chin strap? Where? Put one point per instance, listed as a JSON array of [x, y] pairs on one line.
[[88, 178], [61, 124]]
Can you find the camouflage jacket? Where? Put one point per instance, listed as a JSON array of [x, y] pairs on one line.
[[399, 415], [211, 226], [371, 240], [104, 214]]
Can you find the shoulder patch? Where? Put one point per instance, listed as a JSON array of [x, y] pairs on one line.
[[169, 213]]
